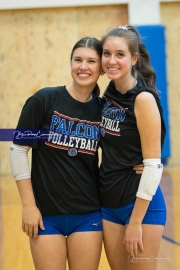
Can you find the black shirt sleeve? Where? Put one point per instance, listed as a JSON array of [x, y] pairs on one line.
[[32, 117]]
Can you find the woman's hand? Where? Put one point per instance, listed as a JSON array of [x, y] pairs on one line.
[[133, 238], [138, 168], [31, 218]]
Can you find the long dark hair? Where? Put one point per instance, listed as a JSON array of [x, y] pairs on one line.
[[142, 68], [93, 43]]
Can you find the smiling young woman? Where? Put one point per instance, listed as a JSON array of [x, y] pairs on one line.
[[60, 196], [133, 208]]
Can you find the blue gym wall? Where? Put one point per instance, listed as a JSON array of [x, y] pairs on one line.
[[154, 38]]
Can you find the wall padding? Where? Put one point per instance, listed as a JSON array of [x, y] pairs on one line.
[[171, 20]]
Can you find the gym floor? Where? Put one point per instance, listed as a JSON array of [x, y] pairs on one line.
[[14, 245]]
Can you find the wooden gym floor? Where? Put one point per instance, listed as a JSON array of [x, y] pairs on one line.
[[14, 245]]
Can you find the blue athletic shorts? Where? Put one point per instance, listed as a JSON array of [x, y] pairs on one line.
[[156, 212], [67, 224]]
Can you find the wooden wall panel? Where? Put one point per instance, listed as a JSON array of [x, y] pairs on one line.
[[35, 47], [34, 52]]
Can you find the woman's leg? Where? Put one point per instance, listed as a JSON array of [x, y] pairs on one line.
[[84, 250], [113, 235], [117, 255], [49, 252], [152, 235]]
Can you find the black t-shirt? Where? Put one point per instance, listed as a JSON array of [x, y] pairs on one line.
[[121, 145], [65, 170]]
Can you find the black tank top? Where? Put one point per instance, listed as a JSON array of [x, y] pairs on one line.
[[121, 146]]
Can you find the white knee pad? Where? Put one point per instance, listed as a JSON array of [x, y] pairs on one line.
[[150, 178]]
